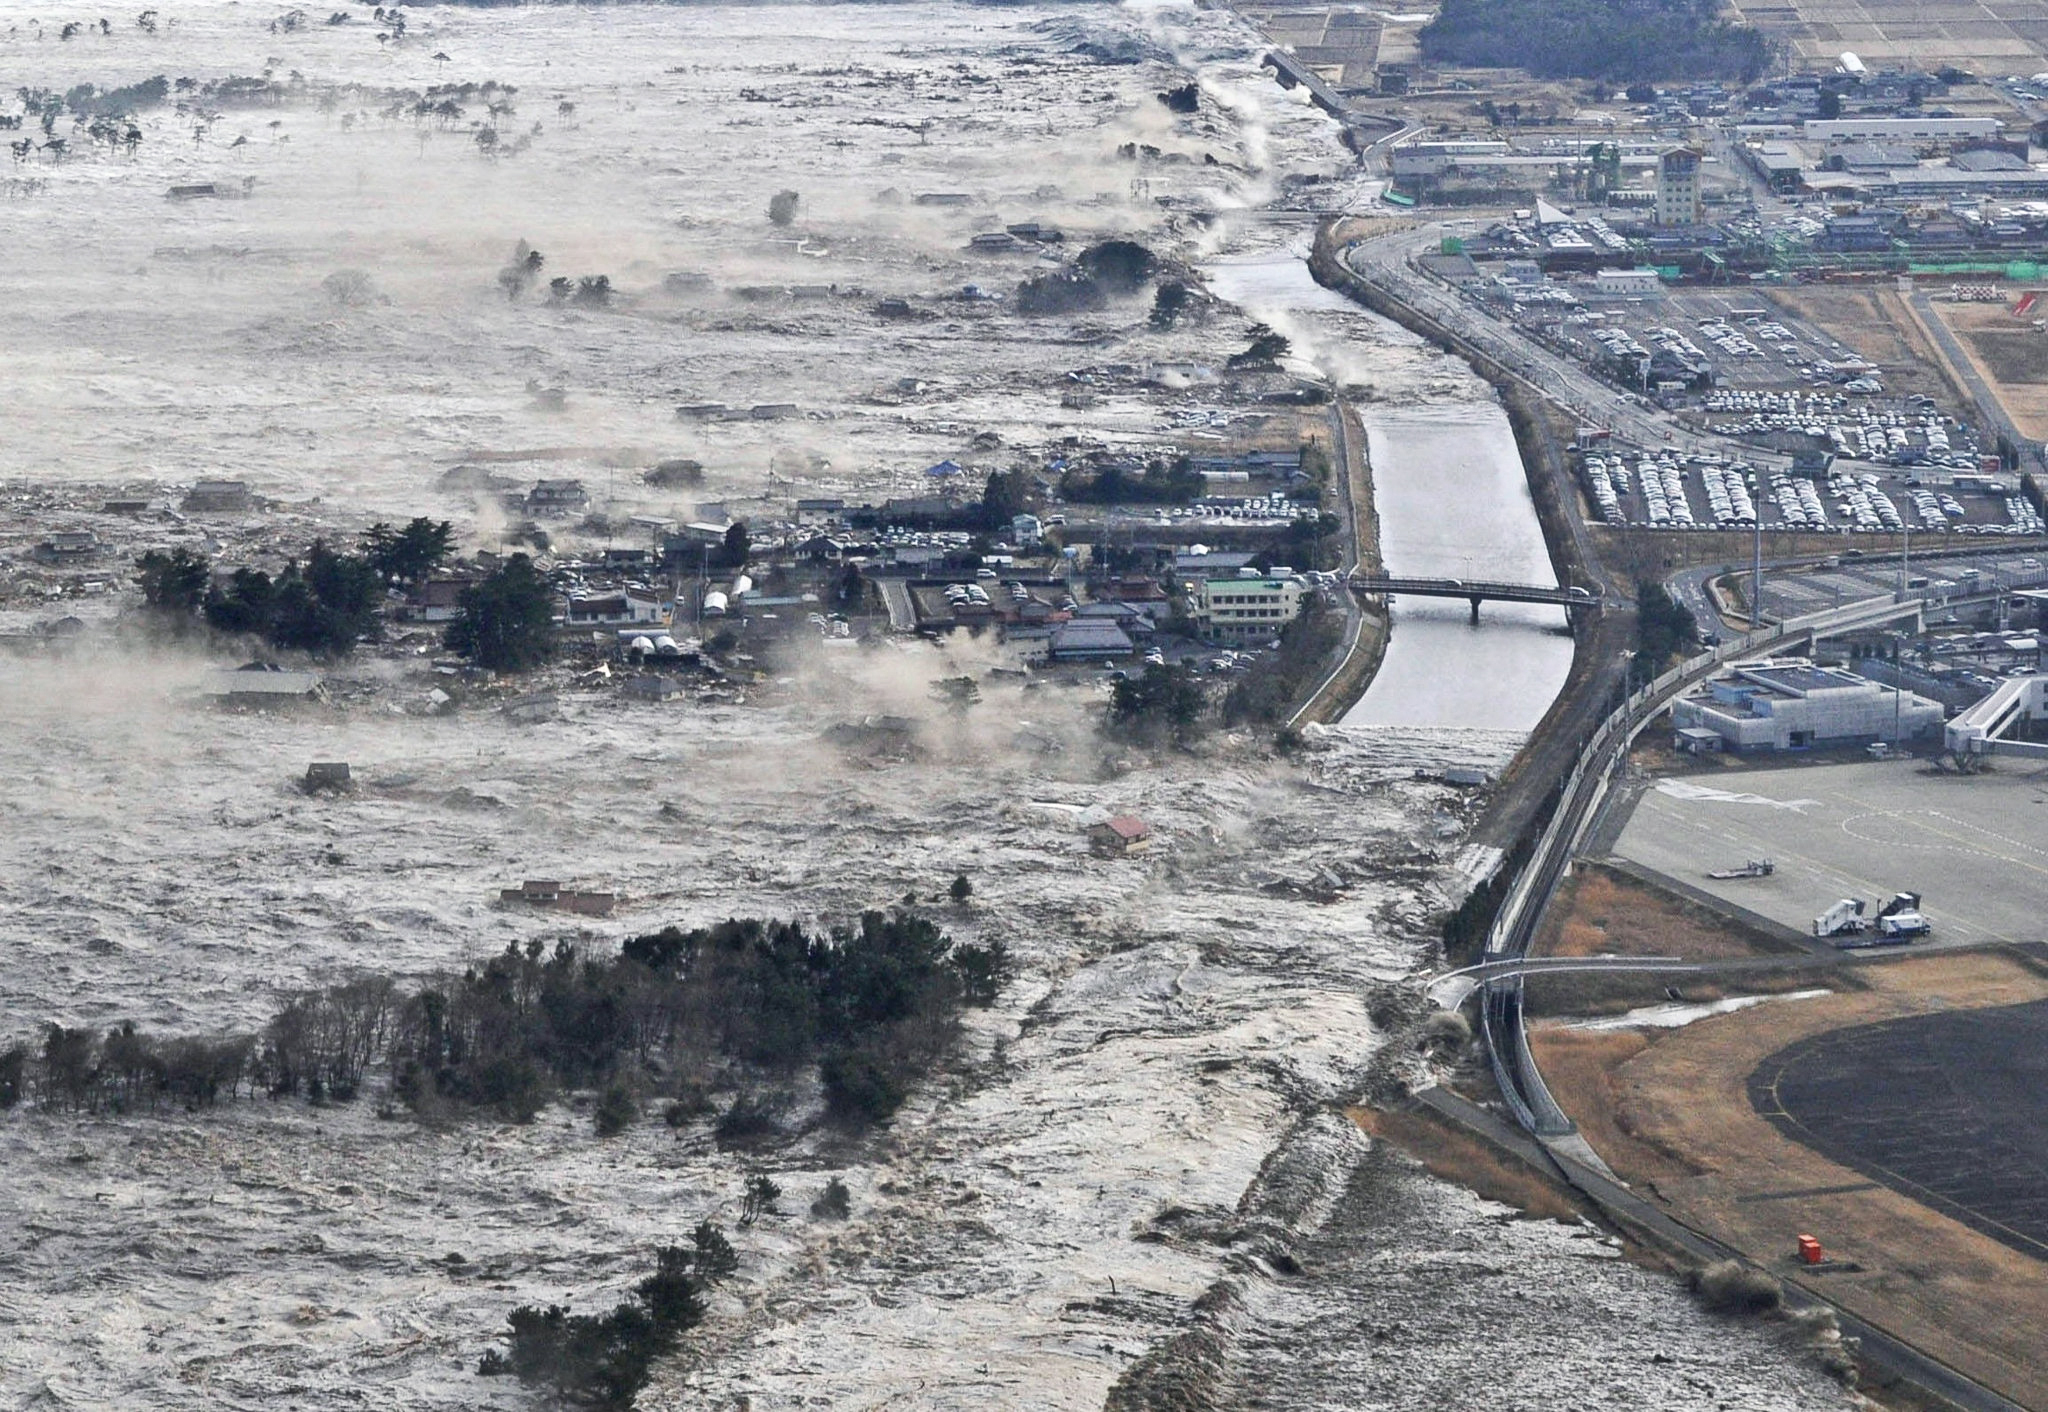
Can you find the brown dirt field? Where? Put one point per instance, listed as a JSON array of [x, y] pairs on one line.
[[1598, 911], [1582, 1063], [1879, 327], [1675, 1118], [1470, 1162], [2010, 354]]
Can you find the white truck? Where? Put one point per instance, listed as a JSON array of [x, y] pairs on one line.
[[1897, 922], [1901, 918], [1845, 918]]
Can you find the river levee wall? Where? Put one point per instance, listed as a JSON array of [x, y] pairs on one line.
[[1601, 637]]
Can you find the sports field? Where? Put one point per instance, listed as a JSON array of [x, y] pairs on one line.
[[1944, 1108], [1895, 1119]]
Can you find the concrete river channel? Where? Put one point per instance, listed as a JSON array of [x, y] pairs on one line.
[[1453, 502]]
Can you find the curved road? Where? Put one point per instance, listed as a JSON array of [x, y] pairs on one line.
[[1385, 261]]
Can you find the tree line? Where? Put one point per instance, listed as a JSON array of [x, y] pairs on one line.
[[1626, 41], [322, 604], [868, 1007], [603, 1360], [333, 599]]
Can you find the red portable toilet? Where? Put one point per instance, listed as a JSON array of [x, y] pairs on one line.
[[1810, 1251]]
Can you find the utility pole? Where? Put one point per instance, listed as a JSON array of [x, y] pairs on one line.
[[1756, 579]]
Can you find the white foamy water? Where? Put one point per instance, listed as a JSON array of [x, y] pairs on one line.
[[1154, 1105]]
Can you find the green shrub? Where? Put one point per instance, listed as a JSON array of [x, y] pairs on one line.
[[834, 1203], [859, 1088], [616, 1111]]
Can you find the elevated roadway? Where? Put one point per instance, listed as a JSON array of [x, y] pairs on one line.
[[1579, 800], [1386, 262]]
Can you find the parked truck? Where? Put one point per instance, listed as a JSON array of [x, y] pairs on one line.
[[1845, 918], [1897, 922], [1901, 918]]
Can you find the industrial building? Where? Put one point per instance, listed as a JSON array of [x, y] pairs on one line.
[[1790, 704], [1934, 130], [1638, 283]]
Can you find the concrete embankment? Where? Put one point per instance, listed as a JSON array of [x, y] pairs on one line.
[[1366, 645]]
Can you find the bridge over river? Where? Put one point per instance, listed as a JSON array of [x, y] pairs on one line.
[[1475, 591]]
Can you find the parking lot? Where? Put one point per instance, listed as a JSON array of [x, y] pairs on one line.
[[1662, 489], [1975, 847], [1749, 344]]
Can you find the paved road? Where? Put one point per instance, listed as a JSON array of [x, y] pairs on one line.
[[1384, 261]]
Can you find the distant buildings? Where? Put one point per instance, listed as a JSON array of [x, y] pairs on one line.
[[1634, 284], [1678, 187], [69, 548], [218, 497], [549, 895], [820, 513], [1894, 130], [558, 498], [1121, 836], [623, 606]]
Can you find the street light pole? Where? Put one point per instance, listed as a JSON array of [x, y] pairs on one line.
[[1756, 580]]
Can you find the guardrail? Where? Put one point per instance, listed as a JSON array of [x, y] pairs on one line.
[[1585, 789]]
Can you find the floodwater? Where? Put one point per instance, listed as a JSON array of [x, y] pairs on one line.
[[1453, 502]]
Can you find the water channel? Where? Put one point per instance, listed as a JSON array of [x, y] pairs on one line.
[[1453, 502]]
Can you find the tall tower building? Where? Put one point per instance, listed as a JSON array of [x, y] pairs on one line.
[[1678, 187]]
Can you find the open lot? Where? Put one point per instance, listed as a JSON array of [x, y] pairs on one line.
[[1976, 846], [1671, 1112], [1874, 325], [2011, 354]]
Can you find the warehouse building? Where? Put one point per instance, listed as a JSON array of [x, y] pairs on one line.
[[1913, 130], [1790, 704]]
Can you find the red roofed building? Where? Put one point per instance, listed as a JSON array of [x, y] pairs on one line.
[[1126, 833]]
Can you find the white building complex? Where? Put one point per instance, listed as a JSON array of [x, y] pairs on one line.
[[1243, 607], [1643, 282], [1789, 704], [1932, 130]]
